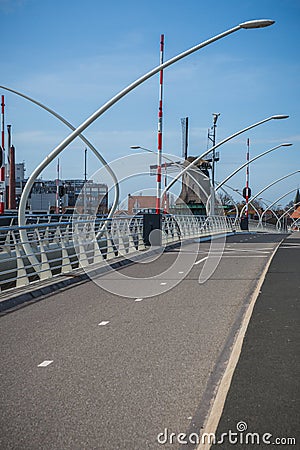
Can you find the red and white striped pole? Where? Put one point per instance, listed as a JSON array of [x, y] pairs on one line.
[[247, 180], [57, 189], [165, 196], [159, 135], [2, 169]]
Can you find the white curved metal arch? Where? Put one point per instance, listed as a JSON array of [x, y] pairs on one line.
[[267, 187], [284, 214], [86, 141], [202, 156], [112, 101], [250, 203], [249, 162], [274, 203]]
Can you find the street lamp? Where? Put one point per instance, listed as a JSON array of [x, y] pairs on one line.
[[22, 207], [274, 203], [212, 138], [249, 162], [276, 117], [265, 204]]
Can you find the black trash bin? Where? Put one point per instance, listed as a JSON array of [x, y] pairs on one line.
[[152, 222], [244, 223]]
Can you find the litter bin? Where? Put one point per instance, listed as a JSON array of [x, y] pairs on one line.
[[244, 223], [152, 222]]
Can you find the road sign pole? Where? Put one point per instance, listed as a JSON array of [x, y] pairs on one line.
[[2, 167]]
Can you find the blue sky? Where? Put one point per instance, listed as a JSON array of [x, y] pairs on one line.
[[75, 55]]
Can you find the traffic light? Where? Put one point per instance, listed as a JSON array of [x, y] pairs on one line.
[[61, 191]]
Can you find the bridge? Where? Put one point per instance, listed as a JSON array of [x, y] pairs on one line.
[[119, 333], [103, 346]]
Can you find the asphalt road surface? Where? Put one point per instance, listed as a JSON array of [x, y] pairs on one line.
[[86, 368], [264, 397]]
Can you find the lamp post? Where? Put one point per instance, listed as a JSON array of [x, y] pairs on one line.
[[274, 203], [265, 204], [249, 162], [212, 138], [267, 187], [22, 207], [276, 117], [244, 222]]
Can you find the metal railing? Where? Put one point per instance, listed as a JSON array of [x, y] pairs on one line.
[[61, 247], [64, 246], [255, 225]]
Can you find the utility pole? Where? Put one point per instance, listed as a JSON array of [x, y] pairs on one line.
[[215, 158], [160, 128], [85, 164], [85, 183], [246, 191], [247, 180], [57, 188], [11, 170], [2, 162], [185, 132]]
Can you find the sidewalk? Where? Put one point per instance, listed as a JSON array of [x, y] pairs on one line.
[[264, 394]]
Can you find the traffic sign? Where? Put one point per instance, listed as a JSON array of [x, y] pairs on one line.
[[245, 192]]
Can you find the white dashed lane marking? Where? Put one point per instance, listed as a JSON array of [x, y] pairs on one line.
[[104, 322], [45, 363], [200, 260]]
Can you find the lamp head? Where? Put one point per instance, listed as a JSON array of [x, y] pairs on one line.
[[280, 116], [287, 144], [261, 23], [135, 147]]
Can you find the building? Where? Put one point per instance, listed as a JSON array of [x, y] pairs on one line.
[[92, 199], [69, 196], [19, 179], [144, 203], [296, 213]]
